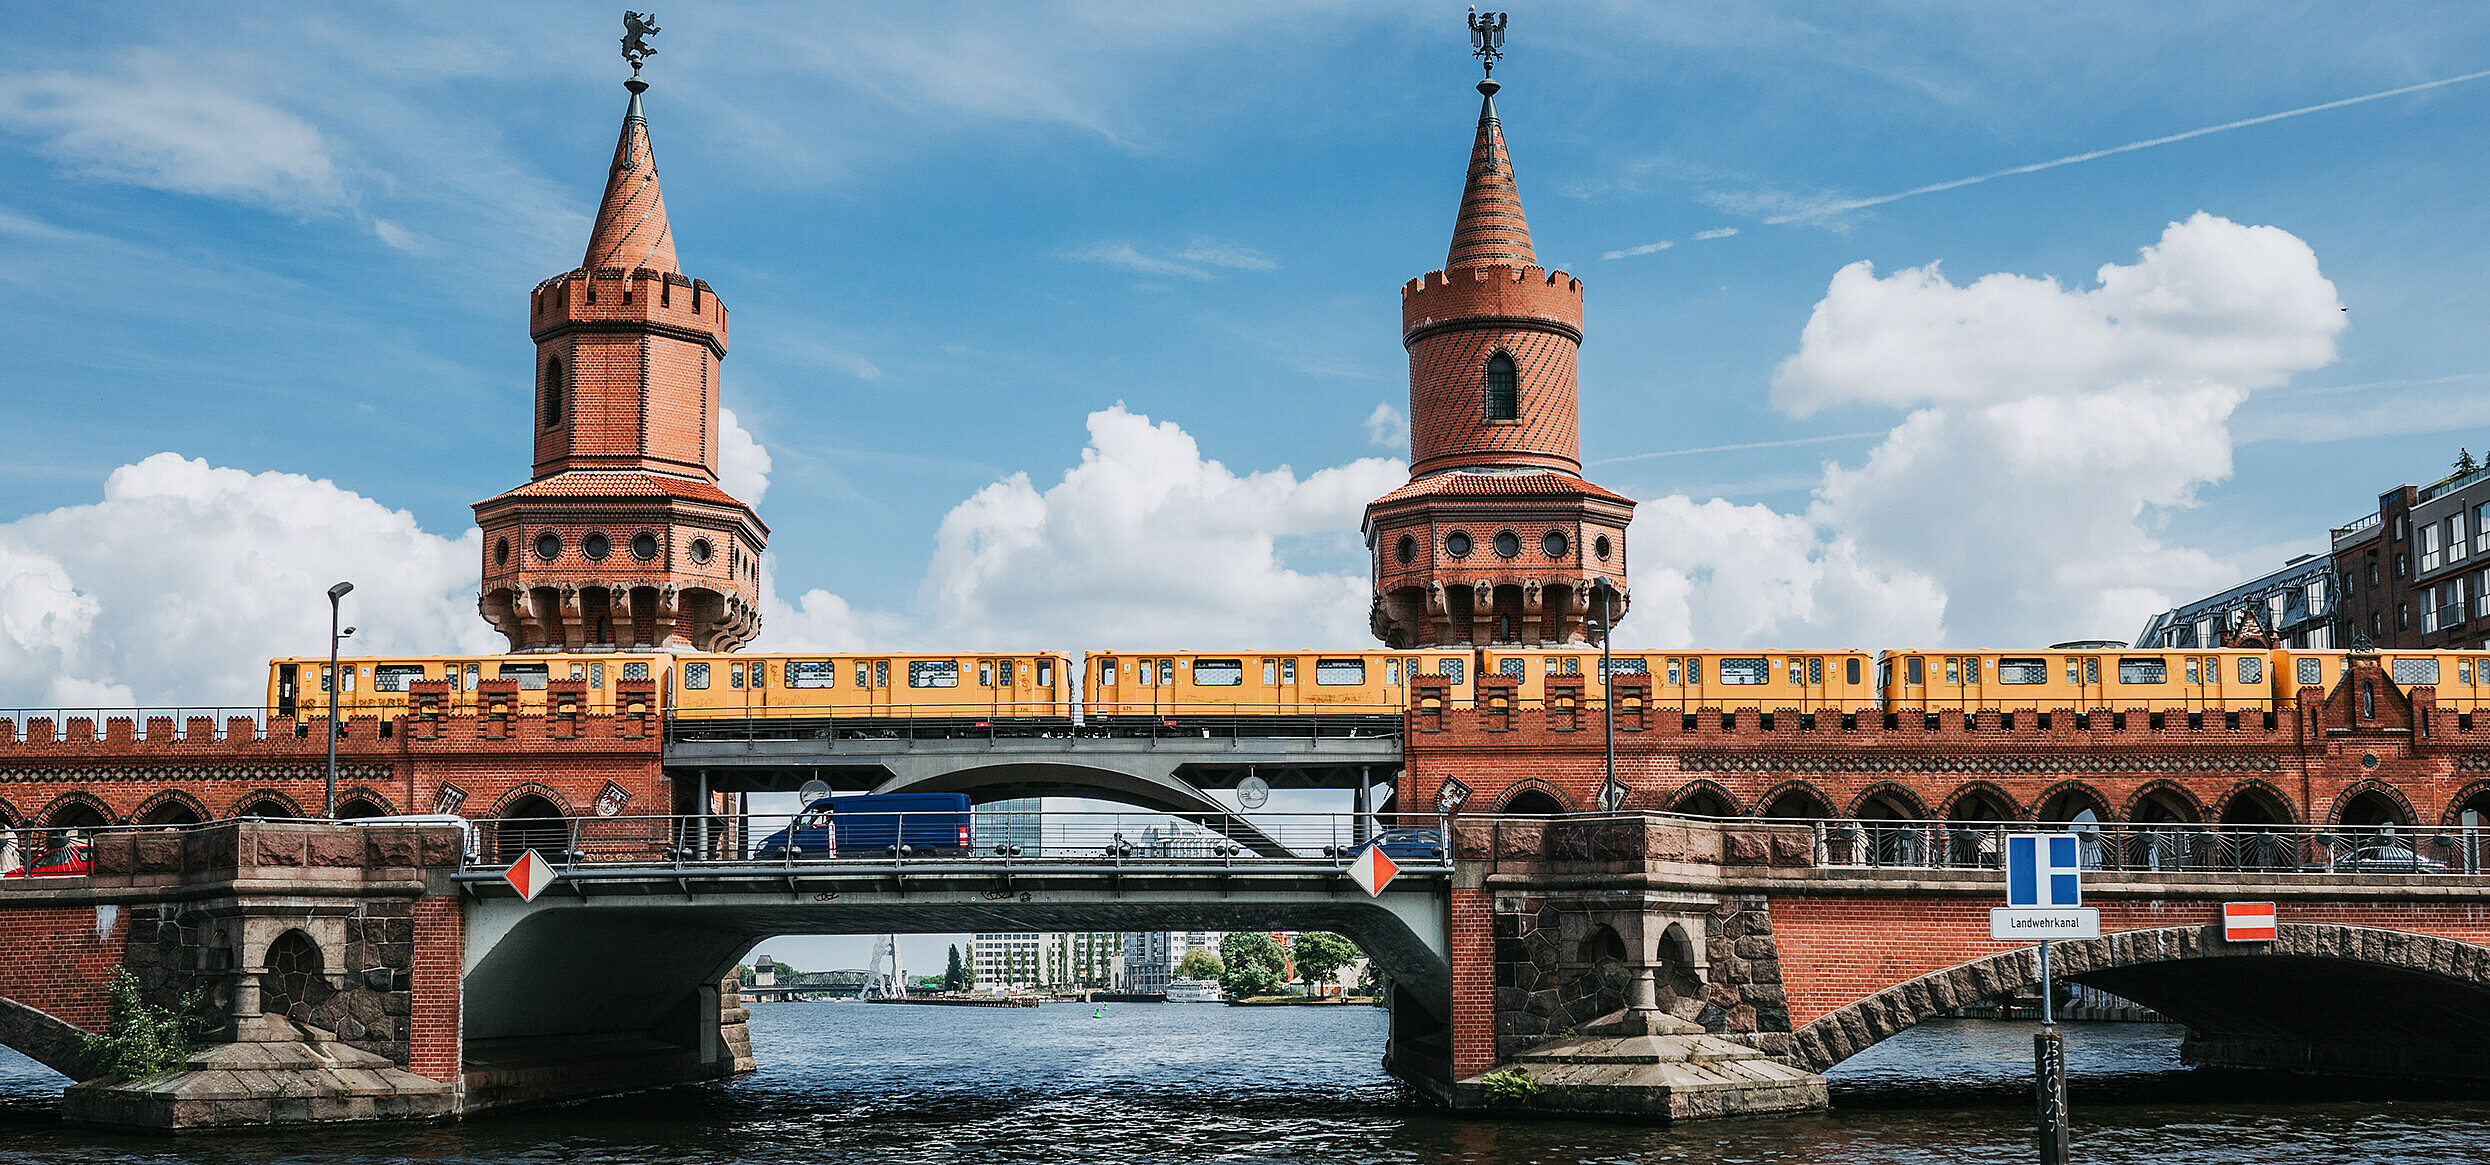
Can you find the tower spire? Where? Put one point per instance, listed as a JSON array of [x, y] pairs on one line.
[[1490, 231], [632, 231]]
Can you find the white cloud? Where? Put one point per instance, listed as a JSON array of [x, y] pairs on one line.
[[1645, 249], [158, 123], [1200, 259], [180, 584], [1721, 233], [743, 463], [1387, 427], [2011, 504], [1146, 543]]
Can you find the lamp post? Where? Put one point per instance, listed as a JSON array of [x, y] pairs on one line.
[[336, 681], [1605, 593]]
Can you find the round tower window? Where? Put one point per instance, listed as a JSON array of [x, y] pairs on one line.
[[1406, 550], [548, 546], [501, 552], [1599, 546], [702, 551], [597, 546], [644, 546], [1457, 544], [1553, 545], [1508, 544]]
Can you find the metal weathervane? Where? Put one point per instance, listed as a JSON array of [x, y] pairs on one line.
[[1486, 38], [637, 28]]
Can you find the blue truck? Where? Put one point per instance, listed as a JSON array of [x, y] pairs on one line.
[[867, 824]]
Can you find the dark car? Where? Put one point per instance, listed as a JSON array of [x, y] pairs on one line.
[[2387, 859], [69, 861], [882, 823], [1404, 845]]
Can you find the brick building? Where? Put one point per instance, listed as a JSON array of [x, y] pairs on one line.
[[2416, 574], [623, 538], [1497, 538]]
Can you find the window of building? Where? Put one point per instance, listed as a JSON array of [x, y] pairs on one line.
[[2403, 616], [2429, 548], [2481, 528], [2274, 613], [553, 393], [2316, 594], [2455, 536], [2373, 572], [2377, 622], [644, 546], [1508, 544], [2481, 595], [1504, 397], [2403, 565], [2399, 527], [1457, 544]]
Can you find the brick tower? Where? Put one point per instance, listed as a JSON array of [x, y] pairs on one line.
[[623, 540], [1496, 538]]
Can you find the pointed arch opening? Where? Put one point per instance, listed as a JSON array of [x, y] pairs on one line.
[[551, 394], [1504, 388]]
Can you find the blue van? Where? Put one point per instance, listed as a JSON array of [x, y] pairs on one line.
[[867, 824]]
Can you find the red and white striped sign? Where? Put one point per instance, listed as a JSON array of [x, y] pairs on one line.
[[2248, 922]]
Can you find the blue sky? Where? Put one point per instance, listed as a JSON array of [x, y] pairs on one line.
[[292, 249]]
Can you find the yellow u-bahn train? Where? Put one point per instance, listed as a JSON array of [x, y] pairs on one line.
[[1116, 686]]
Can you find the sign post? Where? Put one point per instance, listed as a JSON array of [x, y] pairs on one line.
[[2044, 900]]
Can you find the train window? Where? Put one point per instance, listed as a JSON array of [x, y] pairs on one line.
[[1675, 677], [1392, 672], [2092, 671], [933, 673], [864, 675], [985, 674], [1915, 670], [1850, 671], [1815, 671], [596, 675], [1106, 673], [2074, 671], [2312, 671], [2023, 671], [1003, 670], [1335, 672], [1513, 666], [1149, 674], [1884, 673], [2251, 669], [1219, 673], [531, 676], [324, 679], [811, 673], [471, 677], [1045, 674], [635, 670], [1450, 667], [2143, 671], [2407, 672], [1797, 674], [735, 675], [1566, 666], [1270, 673], [1631, 665], [1746, 669], [1288, 671], [881, 673], [1694, 669], [1954, 669], [2191, 670], [393, 677], [579, 671], [2464, 671]]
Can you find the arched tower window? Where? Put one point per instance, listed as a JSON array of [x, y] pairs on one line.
[[553, 393], [1504, 396]]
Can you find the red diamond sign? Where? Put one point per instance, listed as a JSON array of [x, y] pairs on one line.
[[529, 875], [1372, 871]]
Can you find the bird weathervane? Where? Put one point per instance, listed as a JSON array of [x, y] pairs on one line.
[[637, 28], [1486, 38]]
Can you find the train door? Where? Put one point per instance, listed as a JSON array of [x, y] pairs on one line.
[[1806, 675], [289, 696], [1104, 693], [1284, 686], [1163, 701], [2083, 681], [1905, 680], [2195, 686]]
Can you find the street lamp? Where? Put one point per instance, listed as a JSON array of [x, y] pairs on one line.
[[1604, 592], [336, 681]]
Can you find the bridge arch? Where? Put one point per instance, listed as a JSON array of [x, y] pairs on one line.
[[266, 803], [1703, 798], [2162, 801], [2370, 802], [2254, 801], [1794, 801], [2475, 797], [1534, 797], [1888, 801], [10, 818], [2321, 996], [171, 807], [1980, 801], [2066, 802], [78, 811], [362, 801]]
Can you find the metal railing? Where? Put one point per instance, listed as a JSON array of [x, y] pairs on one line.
[[2162, 847], [1005, 838]]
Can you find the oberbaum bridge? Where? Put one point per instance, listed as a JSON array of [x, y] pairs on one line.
[[1666, 913]]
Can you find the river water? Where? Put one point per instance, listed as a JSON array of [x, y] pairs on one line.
[[845, 1082]]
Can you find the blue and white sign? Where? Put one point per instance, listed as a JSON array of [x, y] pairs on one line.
[[2044, 870], [2044, 891]]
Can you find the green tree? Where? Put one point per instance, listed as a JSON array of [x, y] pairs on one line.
[[1199, 963], [954, 978], [2464, 462], [1320, 955], [1253, 964], [140, 1040]]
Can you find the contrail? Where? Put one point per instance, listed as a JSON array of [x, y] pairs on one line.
[[1749, 445], [2069, 160]]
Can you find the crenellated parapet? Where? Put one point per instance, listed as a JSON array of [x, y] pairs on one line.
[[1522, 296], [663, 301]]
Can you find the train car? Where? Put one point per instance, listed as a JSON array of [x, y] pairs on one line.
[[2461, 678], [1144, 684], [996, 685], [1729, 681], [377, 686], [2076, 681]]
